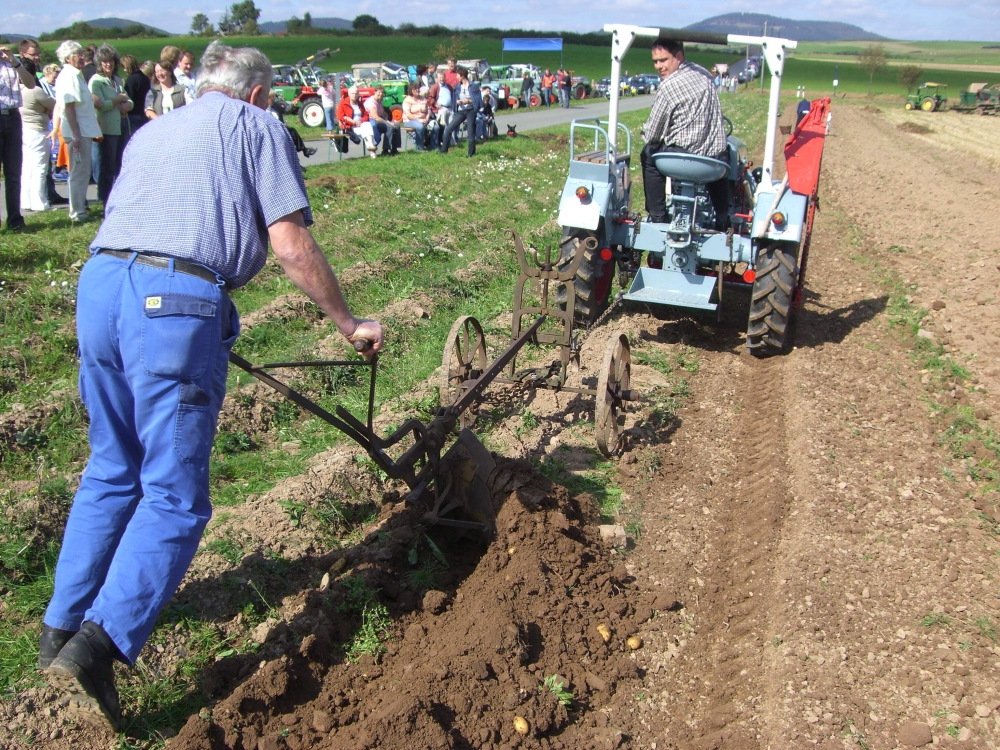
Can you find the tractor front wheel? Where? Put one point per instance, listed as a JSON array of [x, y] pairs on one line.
[[771, 301], [311, 114], [592, 290], [908, 106]]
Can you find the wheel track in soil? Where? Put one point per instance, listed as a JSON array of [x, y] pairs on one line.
[[722, 517]]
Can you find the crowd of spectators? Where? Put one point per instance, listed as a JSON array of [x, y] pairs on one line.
[[84, 109], [438, 105]]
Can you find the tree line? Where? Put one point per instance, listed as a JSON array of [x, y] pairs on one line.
[[243, 19]]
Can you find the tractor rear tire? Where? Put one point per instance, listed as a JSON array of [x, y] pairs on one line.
[[768, 329], [591, 294], [928, 105]]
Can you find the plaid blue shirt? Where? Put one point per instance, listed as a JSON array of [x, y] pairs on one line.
[[686, 113], [203, 183]]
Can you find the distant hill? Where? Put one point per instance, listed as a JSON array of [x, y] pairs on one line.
[[121, 23], [273, 27], [802, 31]]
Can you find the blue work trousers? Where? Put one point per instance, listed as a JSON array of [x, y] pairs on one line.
[[154, 352]]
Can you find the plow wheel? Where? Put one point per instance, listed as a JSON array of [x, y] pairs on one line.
[[613, 379], [464, 359], [770, 303], [591, 292]]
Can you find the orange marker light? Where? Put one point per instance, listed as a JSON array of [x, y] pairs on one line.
[[749, 275], [606, 253], [778, 219], [582, 193]]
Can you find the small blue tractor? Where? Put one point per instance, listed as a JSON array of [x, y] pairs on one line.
[[689, 261]]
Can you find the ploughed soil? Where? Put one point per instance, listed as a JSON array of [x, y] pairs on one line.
[[813, 543]]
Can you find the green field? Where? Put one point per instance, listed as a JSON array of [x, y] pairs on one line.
[[594, 62], [925, 53]]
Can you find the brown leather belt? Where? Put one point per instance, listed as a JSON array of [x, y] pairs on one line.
[[163, 261]]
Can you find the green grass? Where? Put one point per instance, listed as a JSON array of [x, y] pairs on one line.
[[935, 619], [802, 67], [926, 53]]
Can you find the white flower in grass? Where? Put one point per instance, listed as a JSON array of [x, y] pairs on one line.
[[460, 255], [65, 283], [326, 205], [421, 255]]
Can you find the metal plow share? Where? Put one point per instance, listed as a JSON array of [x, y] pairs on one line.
[[454, 483]]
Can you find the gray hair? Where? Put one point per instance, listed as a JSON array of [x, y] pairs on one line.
[[66, 49], [234, 71], [107, 53], [352, 90]]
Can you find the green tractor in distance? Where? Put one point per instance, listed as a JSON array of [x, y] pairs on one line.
[[298, 85], [393, 77], [927, 98]]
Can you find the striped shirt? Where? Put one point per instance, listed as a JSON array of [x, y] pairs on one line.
[[203, 183], [686, 113], [10, 87]]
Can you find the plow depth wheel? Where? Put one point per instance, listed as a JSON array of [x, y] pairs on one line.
[[614, 377], [464, 358]]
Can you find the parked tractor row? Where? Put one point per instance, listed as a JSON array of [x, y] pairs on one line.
[[298, 84]]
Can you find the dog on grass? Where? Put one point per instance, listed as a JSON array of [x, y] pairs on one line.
[[512, 131]]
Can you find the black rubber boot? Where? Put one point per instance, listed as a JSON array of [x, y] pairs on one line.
[[50, 644], [84, 671]]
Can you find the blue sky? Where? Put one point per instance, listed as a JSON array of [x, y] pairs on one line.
[[897, 19]]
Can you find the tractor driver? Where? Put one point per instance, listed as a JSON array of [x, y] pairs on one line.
[[686, 117]]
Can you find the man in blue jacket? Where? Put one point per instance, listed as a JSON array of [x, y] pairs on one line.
[[468, 101]]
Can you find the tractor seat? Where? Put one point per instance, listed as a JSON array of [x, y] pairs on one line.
[[690, 167]]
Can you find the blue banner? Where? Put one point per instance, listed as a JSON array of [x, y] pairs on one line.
[[532, 45]]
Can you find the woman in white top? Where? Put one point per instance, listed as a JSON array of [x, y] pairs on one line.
[[166, 94], [79, 124], [36, 112]]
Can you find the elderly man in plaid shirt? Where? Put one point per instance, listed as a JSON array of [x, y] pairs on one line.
[[686, 117], [155, 325]]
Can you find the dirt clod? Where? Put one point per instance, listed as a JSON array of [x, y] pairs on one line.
[[914, 734]]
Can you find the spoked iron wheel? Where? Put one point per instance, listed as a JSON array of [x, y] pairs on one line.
[[464, 359], [612, 381]]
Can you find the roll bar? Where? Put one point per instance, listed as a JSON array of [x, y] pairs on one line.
[[623, 35]]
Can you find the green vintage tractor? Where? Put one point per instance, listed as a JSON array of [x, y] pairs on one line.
[[297, 84], [393, 77], [927, 98]]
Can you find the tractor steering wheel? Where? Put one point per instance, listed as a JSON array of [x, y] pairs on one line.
[[728, 125]]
